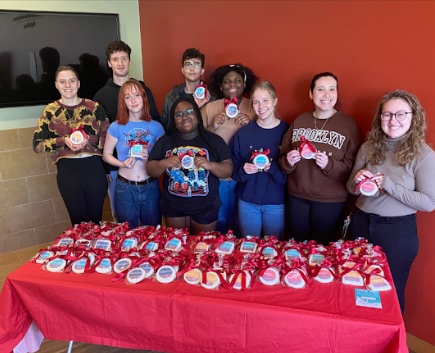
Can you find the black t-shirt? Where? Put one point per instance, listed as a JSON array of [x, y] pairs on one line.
[[188, 188]]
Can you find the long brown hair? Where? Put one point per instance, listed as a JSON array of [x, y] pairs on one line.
[[123, 116], [410, 143]]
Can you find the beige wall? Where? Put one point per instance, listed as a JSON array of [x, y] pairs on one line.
[[128, 11], [31, 209]]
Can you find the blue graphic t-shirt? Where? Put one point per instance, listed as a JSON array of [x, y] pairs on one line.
[[144, 133]]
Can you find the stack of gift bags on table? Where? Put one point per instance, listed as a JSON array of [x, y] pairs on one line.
[[211, 260]]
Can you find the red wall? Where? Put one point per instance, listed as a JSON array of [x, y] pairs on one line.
[[372, 46]]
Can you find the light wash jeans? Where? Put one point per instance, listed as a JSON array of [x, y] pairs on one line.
[[255, 218]]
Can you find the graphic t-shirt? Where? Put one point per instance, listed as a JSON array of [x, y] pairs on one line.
[[144, 133], [188, 188], [188, 181]]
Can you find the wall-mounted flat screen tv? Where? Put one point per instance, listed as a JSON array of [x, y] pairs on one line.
[[35, 44]]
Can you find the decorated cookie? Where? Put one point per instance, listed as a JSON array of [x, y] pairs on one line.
[[135, 275]]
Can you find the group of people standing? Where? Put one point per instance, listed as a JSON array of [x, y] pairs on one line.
[[229, 162]]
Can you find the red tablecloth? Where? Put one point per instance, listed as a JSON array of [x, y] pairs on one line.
[[178, 317]]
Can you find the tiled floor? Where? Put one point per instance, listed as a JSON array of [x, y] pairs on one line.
[[62, 347], [11, 261]]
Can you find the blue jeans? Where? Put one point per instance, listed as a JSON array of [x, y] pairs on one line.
[[255, 218], [227, 218], [111, 193], [136, 203]]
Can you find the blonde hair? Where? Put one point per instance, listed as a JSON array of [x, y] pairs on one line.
[[410, 143], [65, 68], [267, 86]]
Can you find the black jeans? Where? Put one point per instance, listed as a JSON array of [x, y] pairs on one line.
[[83, 185], [311, 220], [398, 238]]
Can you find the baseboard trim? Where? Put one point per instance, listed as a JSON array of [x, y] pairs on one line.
[[418, 345]]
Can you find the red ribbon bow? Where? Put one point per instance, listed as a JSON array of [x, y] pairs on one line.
[[306, 144], [202, 84], [227, 102], [364, 181], [82, 130], [256, 153]]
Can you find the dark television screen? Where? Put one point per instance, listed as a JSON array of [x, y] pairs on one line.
[[35, 44]]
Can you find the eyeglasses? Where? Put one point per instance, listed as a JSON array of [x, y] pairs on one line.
[[192, 65], [400, 116], [188, 112]]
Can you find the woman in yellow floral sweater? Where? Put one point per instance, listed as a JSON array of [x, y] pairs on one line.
[[73, 130]]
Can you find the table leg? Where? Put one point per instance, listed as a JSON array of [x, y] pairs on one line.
[[70, 346]]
